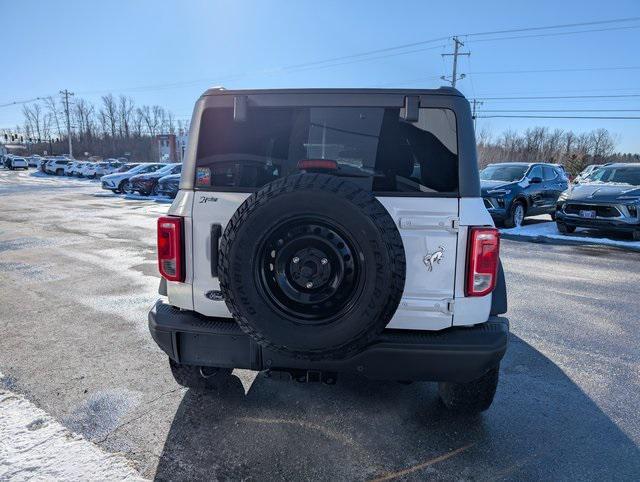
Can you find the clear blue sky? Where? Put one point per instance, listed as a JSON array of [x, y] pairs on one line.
[[138, 47]]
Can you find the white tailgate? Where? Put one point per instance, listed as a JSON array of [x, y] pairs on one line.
[[427, 226]]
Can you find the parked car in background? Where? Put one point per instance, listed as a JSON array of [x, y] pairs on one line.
[[586, 172], [88, 169], [118, 182], [18, 163], [147, 184], [514, 190], [108, 166], [168, 185], [608, 199], [77, 170], [71, 167], [56, 166], [6, 160], [34, 161], [43, 164]]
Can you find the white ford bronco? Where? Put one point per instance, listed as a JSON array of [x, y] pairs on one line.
[[326, 231]]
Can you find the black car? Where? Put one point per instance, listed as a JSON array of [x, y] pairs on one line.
[[608, 199], [513, 190], [147, 184]]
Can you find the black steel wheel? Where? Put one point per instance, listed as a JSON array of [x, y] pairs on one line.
[[309, 269]]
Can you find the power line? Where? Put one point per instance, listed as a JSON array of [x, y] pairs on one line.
[[555, 34], [17, 102], [611, 96], [558, 110], [557, 117], [566, 25], [576, 69]]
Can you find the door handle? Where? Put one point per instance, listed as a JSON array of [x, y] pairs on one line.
[[216, 232]]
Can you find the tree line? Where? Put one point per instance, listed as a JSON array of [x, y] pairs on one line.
[[574, 151], [111, 128]]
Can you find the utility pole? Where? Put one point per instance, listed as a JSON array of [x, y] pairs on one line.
[[475, 103], [66, 95], [456, 53]]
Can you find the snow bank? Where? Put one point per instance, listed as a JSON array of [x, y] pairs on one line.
[[549, 231], [35, 446]]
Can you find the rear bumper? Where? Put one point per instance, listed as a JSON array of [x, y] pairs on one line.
[[457, 354]]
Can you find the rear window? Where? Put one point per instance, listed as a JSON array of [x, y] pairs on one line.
[[374, 147]]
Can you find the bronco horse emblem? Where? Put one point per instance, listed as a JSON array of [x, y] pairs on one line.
[[430, 260]]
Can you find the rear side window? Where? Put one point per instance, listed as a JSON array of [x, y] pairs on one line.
[[373, 147], [535, 172], [549, 173]]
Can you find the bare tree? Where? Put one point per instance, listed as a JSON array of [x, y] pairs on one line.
[[125, 111], [602, 144], [138, 122], [110, 110], [54, 112], [33, 119]]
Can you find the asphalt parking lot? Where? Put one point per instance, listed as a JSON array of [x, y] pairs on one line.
[[78, 274]]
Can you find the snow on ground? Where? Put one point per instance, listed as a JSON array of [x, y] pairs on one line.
[[548, 231], [35, 446]]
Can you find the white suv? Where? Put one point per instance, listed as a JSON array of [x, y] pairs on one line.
[[18, 163], [333, 231], [56, 166]]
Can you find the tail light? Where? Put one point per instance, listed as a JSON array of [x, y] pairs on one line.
[[170, 249], [482, 261]]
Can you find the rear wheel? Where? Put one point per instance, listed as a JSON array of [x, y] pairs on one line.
[[192, 376], [470, 397], [59, 172], [565, 228], [127, 188], [516, 215], [154, 190], [636, 235]]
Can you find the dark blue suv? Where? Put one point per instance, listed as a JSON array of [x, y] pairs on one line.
[[514, 190]]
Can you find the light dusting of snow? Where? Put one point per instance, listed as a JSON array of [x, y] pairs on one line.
[[34, 446], [549, 230]]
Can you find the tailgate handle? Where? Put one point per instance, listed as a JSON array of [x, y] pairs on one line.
[[216, 232]]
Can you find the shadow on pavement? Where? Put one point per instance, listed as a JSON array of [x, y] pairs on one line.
[[541, 426]]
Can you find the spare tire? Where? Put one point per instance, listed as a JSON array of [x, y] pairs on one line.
[[312, 266]]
